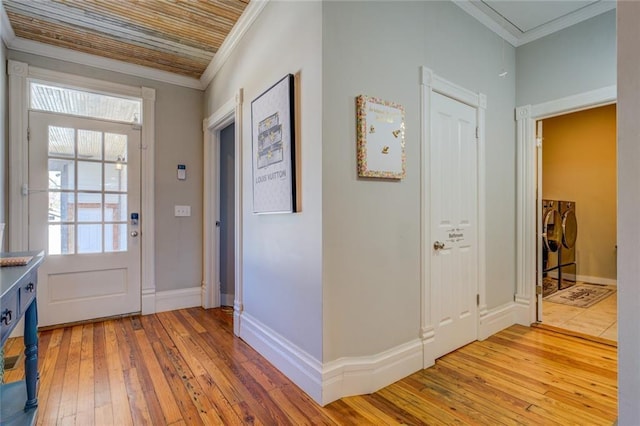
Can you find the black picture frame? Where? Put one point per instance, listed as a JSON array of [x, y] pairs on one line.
[[273, 149]]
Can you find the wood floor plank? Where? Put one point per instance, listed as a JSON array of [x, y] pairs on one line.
[[187, 368], [85, 412]]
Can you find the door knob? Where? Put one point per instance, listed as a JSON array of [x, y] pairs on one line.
[[438, 245], [134, 233]]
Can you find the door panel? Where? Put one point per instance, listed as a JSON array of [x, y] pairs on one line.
[[454, 211], [84, 183]]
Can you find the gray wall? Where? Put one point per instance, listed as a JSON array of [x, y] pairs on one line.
[[4, 145], [178, 141], [576, 60], [628, 212], [371, 228], [282, 253]]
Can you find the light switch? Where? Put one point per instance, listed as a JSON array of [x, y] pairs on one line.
[[182, 211]]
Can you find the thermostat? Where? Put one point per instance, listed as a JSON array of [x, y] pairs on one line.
[[182, 172]]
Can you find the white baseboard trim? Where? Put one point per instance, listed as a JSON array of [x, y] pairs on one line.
[[148, 301], [524, 311], [300, 367], [496, 319], [226, 299], [367, 374], [596, 280], [171, 300]]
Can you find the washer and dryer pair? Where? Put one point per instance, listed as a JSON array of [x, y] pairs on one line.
[[559, 235]]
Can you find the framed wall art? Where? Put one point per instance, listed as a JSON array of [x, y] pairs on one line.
[[380, 133], [273, 140]]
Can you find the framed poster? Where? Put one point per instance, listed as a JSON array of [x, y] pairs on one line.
[[380, 132], [273, 139]]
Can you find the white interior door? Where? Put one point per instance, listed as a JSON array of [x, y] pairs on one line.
[[454, 223], [84, 187]]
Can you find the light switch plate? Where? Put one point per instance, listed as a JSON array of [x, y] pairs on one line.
[[180, 211]]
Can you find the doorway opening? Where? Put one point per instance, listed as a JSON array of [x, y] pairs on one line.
[[577, 221], [222, 251]]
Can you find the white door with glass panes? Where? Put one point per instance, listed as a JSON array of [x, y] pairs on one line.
[[84, 193]]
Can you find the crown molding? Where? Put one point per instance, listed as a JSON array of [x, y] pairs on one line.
[[473, 10], [248, 17], [574, 18], [515, 37]]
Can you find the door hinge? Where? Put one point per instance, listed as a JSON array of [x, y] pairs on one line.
[[538, 290], [477, 132], [477, 299], [28, 134]]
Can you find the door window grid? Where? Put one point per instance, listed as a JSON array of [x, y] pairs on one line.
[[87, 192]]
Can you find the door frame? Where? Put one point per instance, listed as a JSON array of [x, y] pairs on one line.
[[230, 112], [20, 75], [430, 83], [528, 260]]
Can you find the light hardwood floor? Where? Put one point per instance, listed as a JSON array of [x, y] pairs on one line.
[[599, 320], [186, 368]]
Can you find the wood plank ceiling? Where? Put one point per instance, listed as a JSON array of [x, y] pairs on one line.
[[178, 36]]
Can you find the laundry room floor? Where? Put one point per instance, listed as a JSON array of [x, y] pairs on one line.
[[600, 320]]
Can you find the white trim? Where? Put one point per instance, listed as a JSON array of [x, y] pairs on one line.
[[18, 224], [526, 206], [170, 300], [596, 280], [367, 374], [470, 7], [147, 196], [19, 75], [229, 112], [248, 17], [429, 83], [514, 36], [497, 319], [49, 51], [300, 367]]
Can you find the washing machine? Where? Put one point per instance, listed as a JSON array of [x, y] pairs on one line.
[[567, 249], [551, 237]]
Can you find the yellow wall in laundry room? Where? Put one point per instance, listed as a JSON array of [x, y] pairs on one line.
[[579, 164]]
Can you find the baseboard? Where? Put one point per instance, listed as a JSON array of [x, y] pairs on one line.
[[496, 319], [367, 374], [171, 300], [226, 299], [596, 280], [524, 311], [148, 301], [300, 367]]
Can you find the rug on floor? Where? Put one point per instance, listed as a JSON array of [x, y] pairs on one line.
[[549, 286], [580, 295]]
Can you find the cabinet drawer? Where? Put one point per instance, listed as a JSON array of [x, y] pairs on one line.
[[9, 315], [27, 291]]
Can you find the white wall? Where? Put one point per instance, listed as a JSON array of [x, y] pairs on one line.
[[371, 228], [282, 272], [178, 141], [4, 145], [628, 212], [576, 60]]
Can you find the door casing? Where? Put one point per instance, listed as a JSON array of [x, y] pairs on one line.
[[528, 257], [20, 74], [229, 112], [430, 83]]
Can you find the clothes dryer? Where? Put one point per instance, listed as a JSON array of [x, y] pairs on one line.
[[551, 237], [567, 250]]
